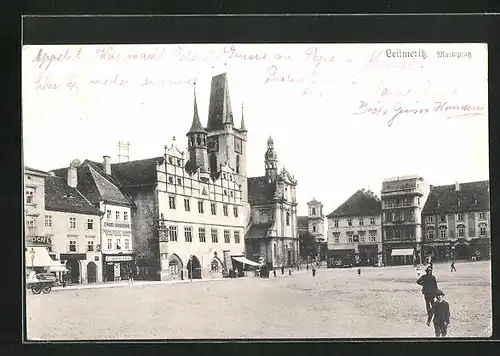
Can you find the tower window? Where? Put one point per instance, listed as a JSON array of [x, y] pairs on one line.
[[287, 219], [313, 210], [238, 164]]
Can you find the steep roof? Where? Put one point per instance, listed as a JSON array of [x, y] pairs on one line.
[[196, 127], [473, 196], [219, 110], [103, 189], [59, 196], [260, 191], [361, 203], [137, 173]]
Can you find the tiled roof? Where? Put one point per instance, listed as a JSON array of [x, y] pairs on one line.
[[258, 231], [260, 191], [136, 173], [302, 221], [361, 203], [219, 110], [59, 196], [105, 189], [95, 185], [473, 196], [196, 126]]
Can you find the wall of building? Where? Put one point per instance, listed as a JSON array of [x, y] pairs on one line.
[[343, 228], [145, 231], [116, 229], [61, 234], [34, 212], [471, 221]]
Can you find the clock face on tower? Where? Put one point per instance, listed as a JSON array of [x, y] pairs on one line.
[[237, 145], [213, 144]]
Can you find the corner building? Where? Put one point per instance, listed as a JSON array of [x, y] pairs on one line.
[[402, 201], [456, 222]]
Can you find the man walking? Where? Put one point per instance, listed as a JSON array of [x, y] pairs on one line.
[[453, 269], [429, 288], [441, 313]]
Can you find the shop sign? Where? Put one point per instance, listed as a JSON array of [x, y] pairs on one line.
[[118, 258], [116, 224], [72, 256], [39, 240]]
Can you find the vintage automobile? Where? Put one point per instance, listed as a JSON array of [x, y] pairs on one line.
[[40, 282]]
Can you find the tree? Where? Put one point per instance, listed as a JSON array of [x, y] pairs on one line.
[[308, 245]]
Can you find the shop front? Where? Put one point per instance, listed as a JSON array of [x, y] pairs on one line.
[[341, 258], [368, 255], [118, 267], [401, 255], [480, 249], [439, 251], [75, 274], [38, 259]]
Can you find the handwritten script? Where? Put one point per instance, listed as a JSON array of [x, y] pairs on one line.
[[387, 87]]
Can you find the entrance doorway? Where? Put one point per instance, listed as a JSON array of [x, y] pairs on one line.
[[73, 271], [91, 272], [289, 257], [194, 268], [110, 272]]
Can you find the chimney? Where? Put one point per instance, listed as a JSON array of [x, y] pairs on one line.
[[457, 186], [73, 173], [106, 164]]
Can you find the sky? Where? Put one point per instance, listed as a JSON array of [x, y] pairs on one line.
[[342, 116]]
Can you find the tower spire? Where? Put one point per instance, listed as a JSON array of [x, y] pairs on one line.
[[243, 128], [196, 127]]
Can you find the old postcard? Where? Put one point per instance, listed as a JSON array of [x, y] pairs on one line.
[[256, 191]]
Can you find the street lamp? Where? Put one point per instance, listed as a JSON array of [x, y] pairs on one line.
[[32, 254]]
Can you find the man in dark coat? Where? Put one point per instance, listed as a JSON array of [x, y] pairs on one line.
[[453, 269], [429, 288], [441, 313]]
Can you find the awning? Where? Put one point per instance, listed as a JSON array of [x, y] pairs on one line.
[[246, 261], [41, 257], [402, 252]]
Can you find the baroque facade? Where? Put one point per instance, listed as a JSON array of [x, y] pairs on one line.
[[456, 221], [355, 231], [273, 236]]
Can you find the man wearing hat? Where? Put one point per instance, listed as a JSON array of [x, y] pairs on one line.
[[441, 313], [429, 288]]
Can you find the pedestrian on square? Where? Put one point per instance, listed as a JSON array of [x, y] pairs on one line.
[[313, 271], [429, 288], [274, 272], [282, 269], [359, 271], [453, 269], [289, 271], [441, 313]]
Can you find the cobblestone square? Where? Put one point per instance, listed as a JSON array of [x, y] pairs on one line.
[[337, 303]]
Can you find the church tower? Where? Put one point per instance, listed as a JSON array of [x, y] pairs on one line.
[[271, 161], [197, 145], [316, 220], [225, 142]]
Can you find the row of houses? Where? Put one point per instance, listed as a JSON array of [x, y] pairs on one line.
[[409, 222], [178, 215]]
